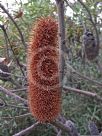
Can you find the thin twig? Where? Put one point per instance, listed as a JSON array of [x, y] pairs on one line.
[[72, 70], [67, 89], [69, 5], [17, 117], [2, 103], [15, 106], [87, 78], [10, 80], [2, 72], [21, 35], [18, 98], [17, 90], [27, 130], [59, 133]]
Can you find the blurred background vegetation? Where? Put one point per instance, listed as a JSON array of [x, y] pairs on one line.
[[78, 108]]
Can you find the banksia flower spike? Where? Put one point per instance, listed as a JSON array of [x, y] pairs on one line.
[[44, 93]]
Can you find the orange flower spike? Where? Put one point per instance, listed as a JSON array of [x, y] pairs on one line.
[[44, 93]]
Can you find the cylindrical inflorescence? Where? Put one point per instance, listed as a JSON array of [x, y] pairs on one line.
[[44, 93]]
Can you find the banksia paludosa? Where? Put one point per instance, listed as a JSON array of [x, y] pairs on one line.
[[43, 73]]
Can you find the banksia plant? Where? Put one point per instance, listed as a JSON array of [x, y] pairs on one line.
[[44, 93]]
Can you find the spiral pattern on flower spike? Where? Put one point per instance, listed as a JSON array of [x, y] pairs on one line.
[[44, 93]]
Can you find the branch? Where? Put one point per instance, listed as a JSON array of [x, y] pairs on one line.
[[59, 133], [87, 78], [88, 11], [16, 117], [9, 78], [73, 129], [21, 35], [57, 130], [61, 126], [71, 125], [15, 106], [86, 93], [2, 103], [69, 5], [61, 25], [10, 74], [27, 130], [17, 90], [18, 98], [8, 40], [72, 70]]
